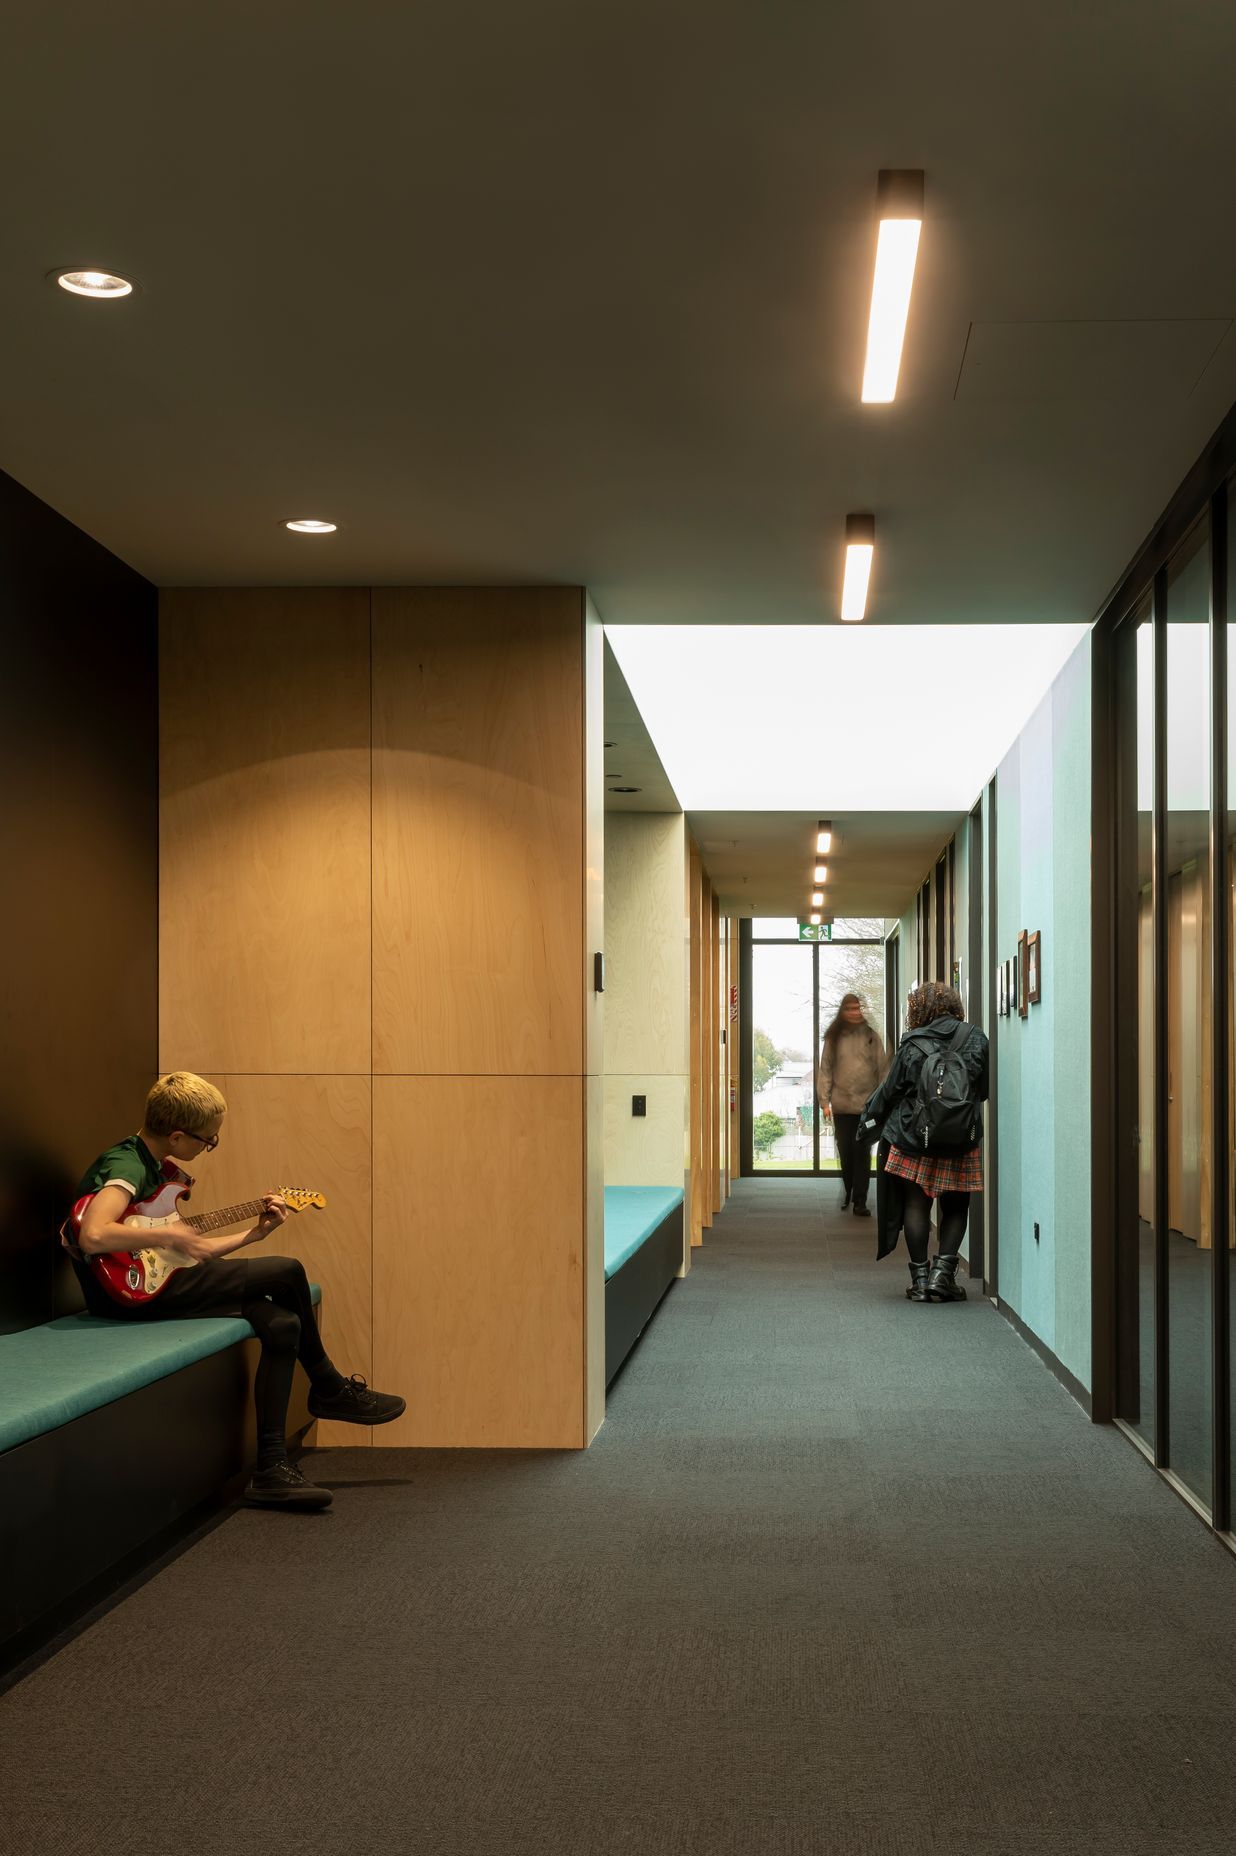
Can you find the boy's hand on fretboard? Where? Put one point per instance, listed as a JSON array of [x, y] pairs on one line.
[[274, 1215]]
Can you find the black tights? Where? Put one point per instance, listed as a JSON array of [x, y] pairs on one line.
[[282, 1315], [954, 1210]]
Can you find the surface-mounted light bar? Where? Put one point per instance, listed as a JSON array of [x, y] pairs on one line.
[[824, 838], [859, 550], [821, 873], [815, 921], [817, 898], [899, 206]]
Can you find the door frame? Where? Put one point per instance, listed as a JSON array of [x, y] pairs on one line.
[[746, 1027]]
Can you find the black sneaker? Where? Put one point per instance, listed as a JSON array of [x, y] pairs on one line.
[[283, 1486], [354, 1403], [862, 1211]]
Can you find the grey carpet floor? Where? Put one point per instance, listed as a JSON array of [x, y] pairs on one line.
[[840, 1574]]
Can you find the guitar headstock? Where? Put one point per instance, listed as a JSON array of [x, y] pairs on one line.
[[300, 1199]]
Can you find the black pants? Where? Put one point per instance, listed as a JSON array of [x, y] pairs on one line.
[[272, 1295], [854, 1154]]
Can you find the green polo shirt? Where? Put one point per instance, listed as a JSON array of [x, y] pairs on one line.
[[129, 1164]]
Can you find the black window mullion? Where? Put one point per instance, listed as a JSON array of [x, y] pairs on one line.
[[1220, 970], [746, 1032], [815, 1050], [1162, 1444]]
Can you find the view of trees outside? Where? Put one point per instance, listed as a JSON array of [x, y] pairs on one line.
[[786, 1039]]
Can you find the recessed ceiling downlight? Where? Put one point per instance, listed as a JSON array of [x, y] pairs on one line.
[[311, 525], [102, 285]]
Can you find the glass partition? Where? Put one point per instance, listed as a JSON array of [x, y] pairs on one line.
[[1135, 1234], [1187, 899]]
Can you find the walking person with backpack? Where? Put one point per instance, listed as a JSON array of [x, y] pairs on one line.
[[928, 1113]]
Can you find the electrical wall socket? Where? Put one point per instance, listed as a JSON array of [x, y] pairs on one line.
[[639, 1105]]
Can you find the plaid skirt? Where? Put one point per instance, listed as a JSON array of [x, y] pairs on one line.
[[937, 1173]]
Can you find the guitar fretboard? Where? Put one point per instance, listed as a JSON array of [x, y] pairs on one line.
[[228, 1214]]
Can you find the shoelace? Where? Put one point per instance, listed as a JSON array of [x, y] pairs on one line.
[[357, 1384]]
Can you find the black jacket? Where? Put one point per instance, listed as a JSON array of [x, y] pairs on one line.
[[888, 1115]]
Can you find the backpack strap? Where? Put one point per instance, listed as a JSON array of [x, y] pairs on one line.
[[966, 1042]]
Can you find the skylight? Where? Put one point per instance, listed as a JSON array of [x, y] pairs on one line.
[[786, 718]]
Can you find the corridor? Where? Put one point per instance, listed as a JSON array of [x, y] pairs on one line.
[[839, 1574]]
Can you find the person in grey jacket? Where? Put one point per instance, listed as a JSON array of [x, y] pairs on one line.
[[852, 1064]]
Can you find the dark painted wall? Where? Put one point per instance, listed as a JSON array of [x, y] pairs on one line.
[[78, 878]]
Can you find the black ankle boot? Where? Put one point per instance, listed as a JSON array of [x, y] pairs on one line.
[[917, 1292], [942, 1285]]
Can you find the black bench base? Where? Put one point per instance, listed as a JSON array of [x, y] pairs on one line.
[[634, 1291], [79, 1503]]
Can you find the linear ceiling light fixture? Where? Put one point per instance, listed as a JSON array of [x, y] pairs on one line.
[[817, 898], [815, 921], [104, 286], [821, 873], [859, 550], [824, 838], [310, 525], [899, 197]]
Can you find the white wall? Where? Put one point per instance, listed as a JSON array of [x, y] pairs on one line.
[[647, 940]]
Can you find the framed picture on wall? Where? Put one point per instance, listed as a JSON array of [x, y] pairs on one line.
[[1034, 952], [1010, 986], [1002, 990], [1023, 975]]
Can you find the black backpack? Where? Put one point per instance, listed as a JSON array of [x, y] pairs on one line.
[[946, 1118]]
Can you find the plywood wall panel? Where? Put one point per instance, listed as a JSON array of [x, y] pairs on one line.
[[695, 880], [593, 755], [480, 1322], [311, 1131], [426, 1062], [264, 830], [479, 962]]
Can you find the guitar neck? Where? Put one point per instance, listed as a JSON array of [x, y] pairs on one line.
[[227, 1214]]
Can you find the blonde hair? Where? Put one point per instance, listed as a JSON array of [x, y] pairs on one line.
[[182, 1100]]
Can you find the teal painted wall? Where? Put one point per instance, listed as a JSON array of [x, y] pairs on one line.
[[1043, 872]]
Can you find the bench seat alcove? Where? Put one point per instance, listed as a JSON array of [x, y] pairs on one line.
[[111, 1434], [643, 1254]]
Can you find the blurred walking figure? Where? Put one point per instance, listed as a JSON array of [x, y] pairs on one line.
[[852, 1065]]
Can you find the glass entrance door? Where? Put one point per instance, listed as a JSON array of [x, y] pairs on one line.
[[796, 991]]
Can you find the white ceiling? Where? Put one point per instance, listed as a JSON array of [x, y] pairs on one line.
[[562, 292]]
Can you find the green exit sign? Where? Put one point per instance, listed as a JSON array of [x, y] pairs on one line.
[[806, 932]]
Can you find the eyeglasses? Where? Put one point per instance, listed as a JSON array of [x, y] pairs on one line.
[[208, 1142]]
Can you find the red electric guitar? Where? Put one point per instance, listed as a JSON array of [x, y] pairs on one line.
[[140, 1275]]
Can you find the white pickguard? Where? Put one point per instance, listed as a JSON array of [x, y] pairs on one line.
[[158, 1211]]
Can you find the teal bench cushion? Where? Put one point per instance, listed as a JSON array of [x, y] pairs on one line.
[[632, 1214], [51, 1374]]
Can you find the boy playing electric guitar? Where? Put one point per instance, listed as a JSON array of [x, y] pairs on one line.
[[183, 1116]]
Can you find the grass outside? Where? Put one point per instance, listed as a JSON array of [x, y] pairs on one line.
[[789, 1166]]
